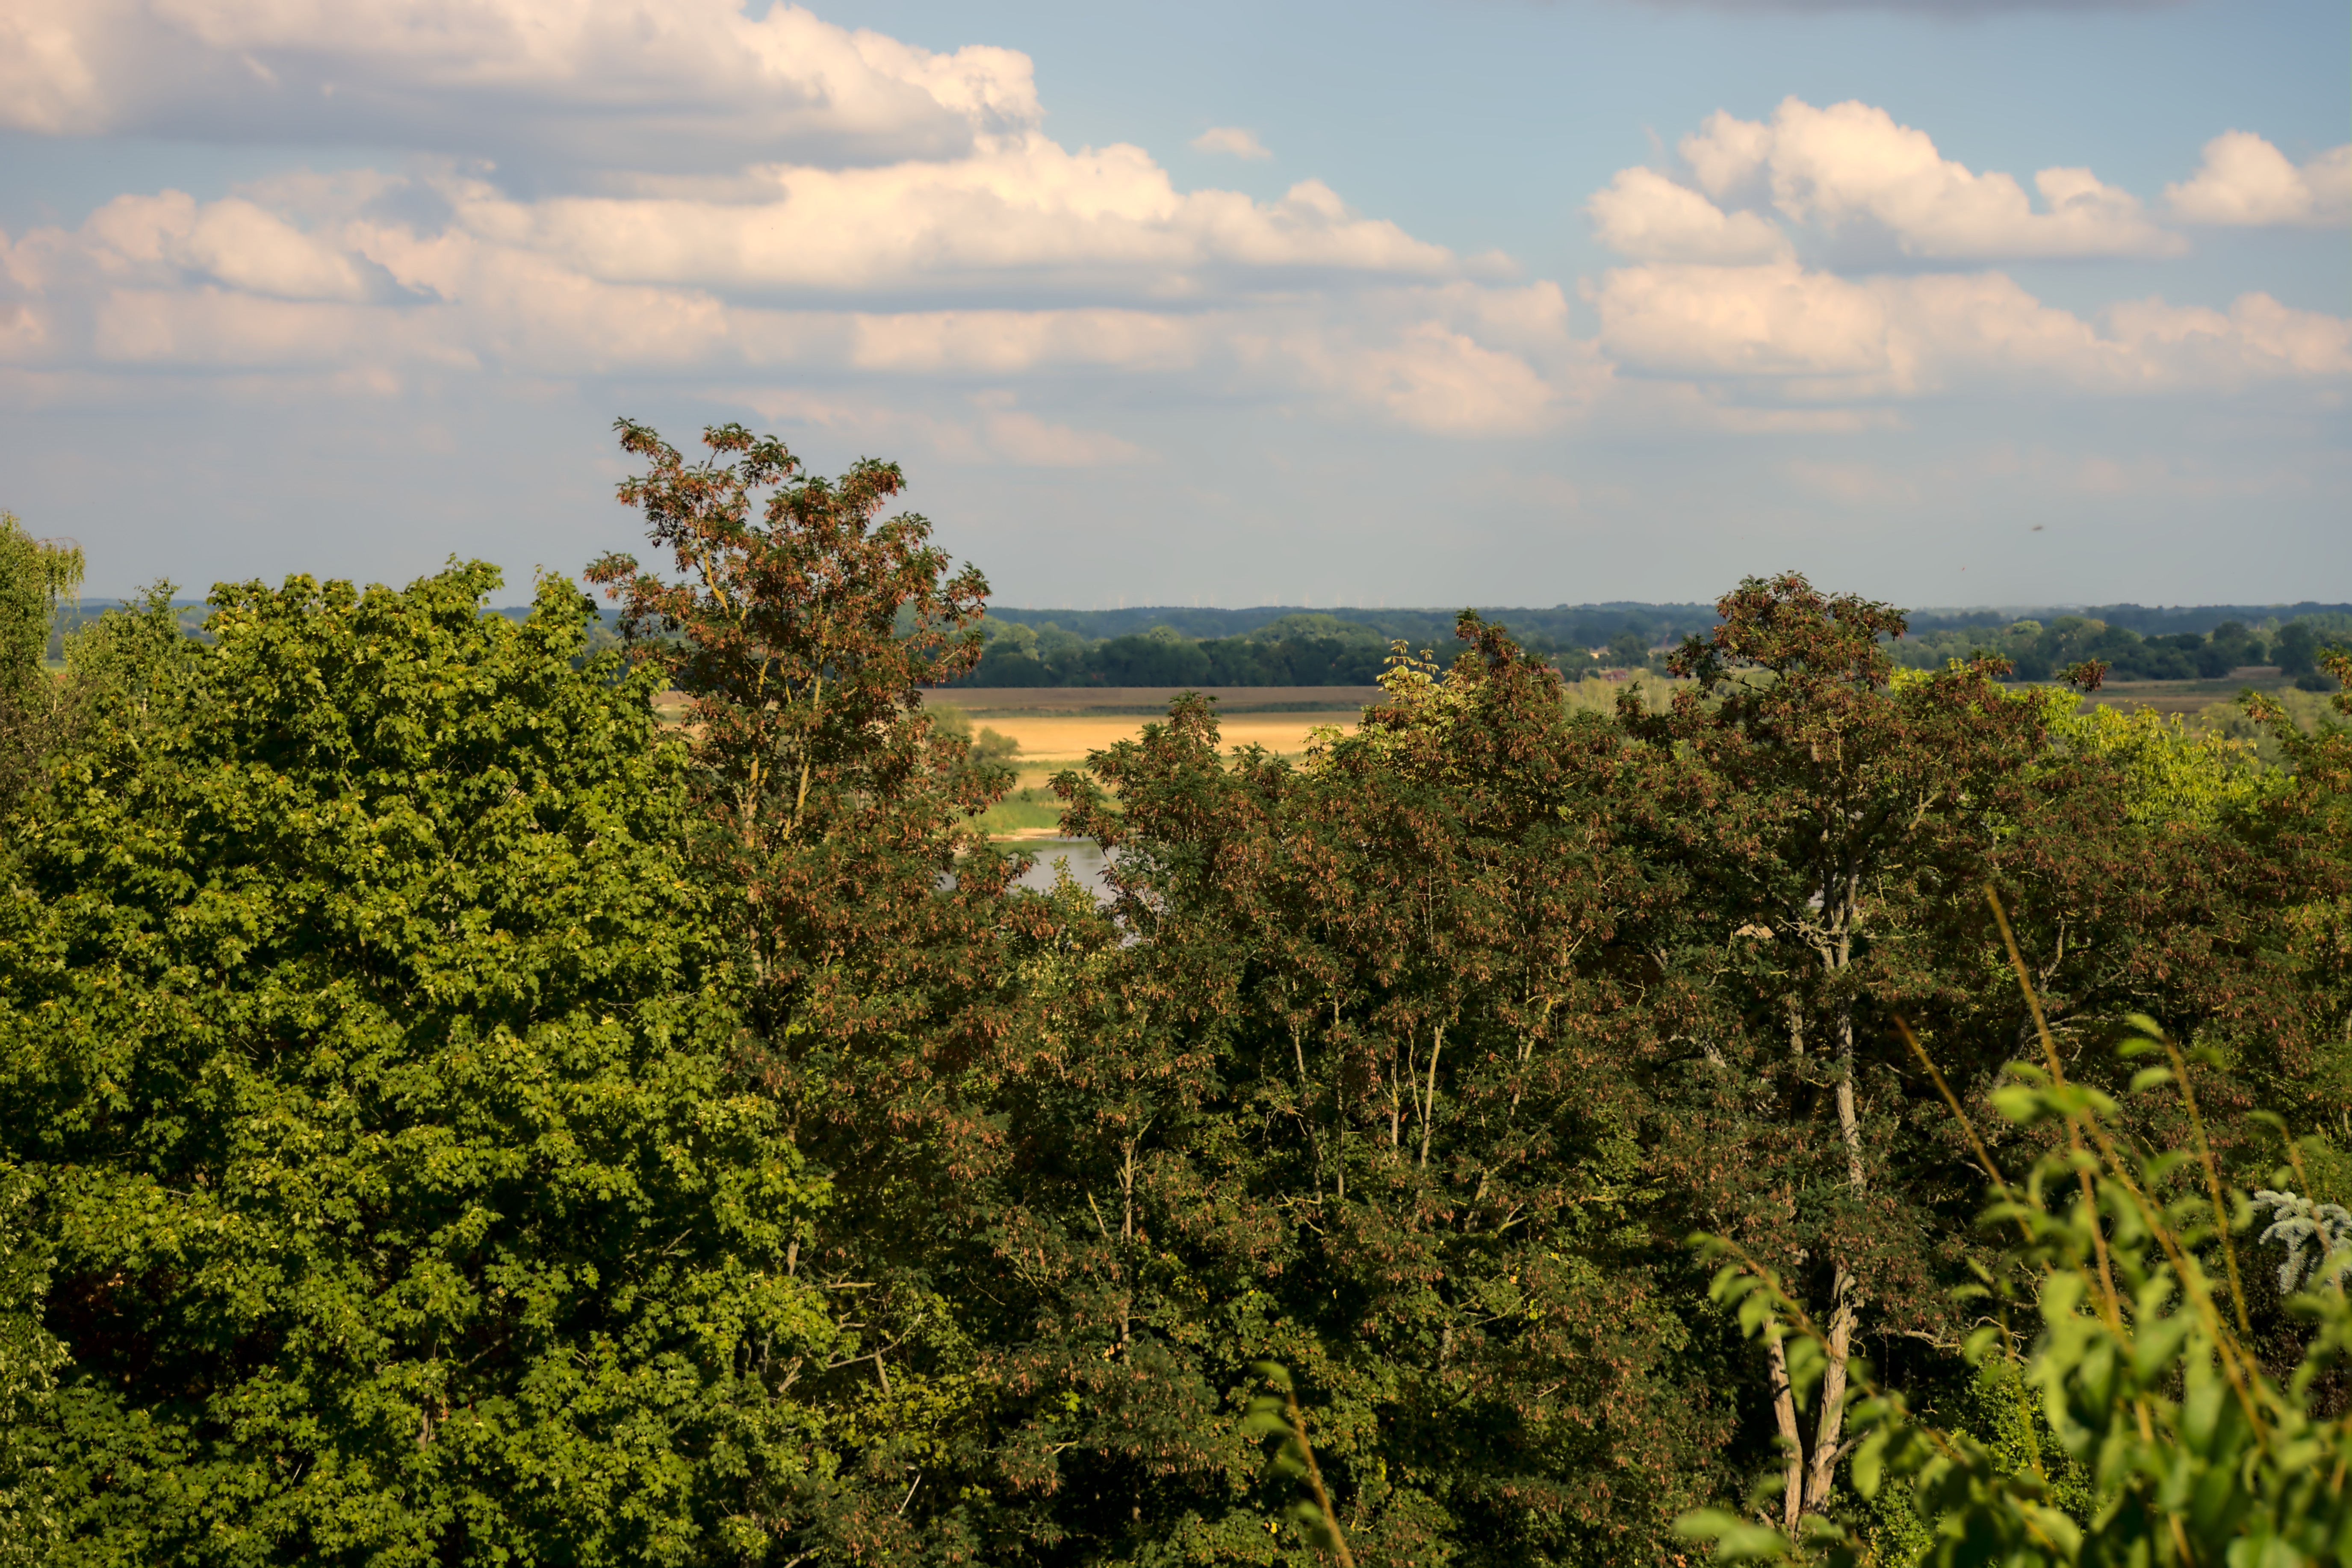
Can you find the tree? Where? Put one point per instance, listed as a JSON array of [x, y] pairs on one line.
[[367, 1039], [1345, 1087], [1629, 648], [865, 916], [1831, 818], [35, 575], [2141, 1368]]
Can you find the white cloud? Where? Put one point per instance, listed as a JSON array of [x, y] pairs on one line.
[[1644, 215], [819, 203], [1436, 379], [1019, 214], [2245, 182], [586, 84], [1726, 152], [1232, 140], [1821, 337], [1851, 170], [233, 242], [1775, 320]]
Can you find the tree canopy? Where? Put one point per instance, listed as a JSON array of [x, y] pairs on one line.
[[455, 1115]]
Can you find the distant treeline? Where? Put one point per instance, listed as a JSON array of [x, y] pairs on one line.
[[1271, 645], [1295, 648], [2038, 651], [1275, 645]]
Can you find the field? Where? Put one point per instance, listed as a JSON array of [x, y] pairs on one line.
[[1056, 727], [2188, 695], [1061, 724]]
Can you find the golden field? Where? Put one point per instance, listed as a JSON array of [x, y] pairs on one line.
[[1069, 737]]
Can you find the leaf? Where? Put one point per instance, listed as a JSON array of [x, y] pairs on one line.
[[1867, 1466], [1736, 1539]]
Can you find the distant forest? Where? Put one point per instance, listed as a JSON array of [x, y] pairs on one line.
[[1279, 645], [1282, 645]]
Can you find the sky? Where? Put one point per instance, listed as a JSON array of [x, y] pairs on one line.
[[1404, 303]]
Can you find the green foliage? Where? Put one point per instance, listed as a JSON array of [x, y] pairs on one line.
[[2169, 773], [1278, 1417], [30, 1359], [365, 1035], [832, 819], [452, 1116], [987, 746], [2191, 1452], [1299, 649], [2037, 651], [35, 576], [1347, 1086]]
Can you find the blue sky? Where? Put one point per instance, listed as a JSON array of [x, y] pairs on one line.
[[1398, 303]]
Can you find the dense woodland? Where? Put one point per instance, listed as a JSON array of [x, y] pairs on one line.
[[1276, 647], [452, 1116], [1311, 649]]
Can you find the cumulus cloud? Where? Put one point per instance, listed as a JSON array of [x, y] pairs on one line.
[[1776, 320], [1231, 138], [1852, 170], [325, 282], [565, 84], [2245, 182], [1017, 213], [1643, 214], [1023, 437], [1819, 336]]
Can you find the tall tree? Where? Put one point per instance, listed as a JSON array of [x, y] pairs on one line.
[[833, 822], [1834, 822], [366, 1036], [1348, 1088]]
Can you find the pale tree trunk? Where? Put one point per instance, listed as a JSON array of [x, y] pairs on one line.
[[1831, 1430], [1818, 1469], [1792, 1440], [1845, 1310]]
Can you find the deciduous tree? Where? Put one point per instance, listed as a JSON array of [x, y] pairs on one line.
[[367, 1035]]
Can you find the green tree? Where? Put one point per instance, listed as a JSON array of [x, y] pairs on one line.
[[832, 824], [2141, 1369], [366, 1034], [30, 1359], [1345, 1086], [1630, 649], [1828, 817], [35, 576]]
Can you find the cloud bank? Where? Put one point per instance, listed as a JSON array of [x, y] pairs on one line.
[[805, 213]]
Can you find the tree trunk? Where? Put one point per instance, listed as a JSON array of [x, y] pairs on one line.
[[1831, 1428], [1792, 1440], [1845, 1310]]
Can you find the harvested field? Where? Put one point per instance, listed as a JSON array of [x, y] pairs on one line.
[[1069, 737]]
